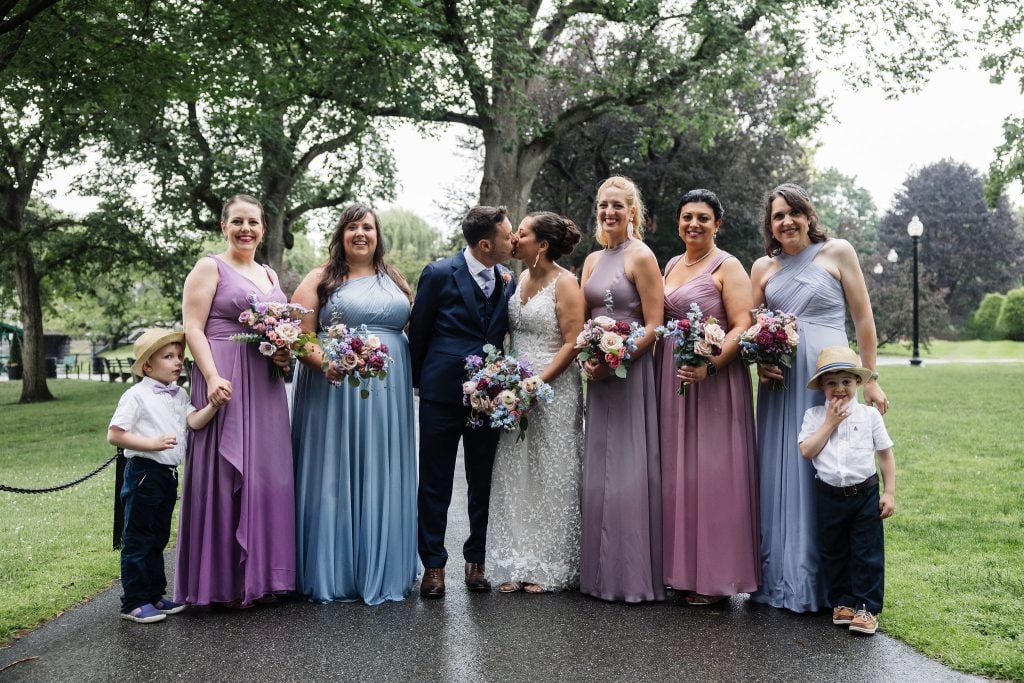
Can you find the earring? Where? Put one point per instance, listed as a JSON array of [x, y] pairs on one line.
[[536, 260], [629, 229]]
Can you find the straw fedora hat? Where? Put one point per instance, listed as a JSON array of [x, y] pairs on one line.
[[149, 342], [838, 359]]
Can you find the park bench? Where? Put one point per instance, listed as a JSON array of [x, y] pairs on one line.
[[70, 364], [118, 368]]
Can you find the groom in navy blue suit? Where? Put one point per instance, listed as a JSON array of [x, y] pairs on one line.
[[461, 305]]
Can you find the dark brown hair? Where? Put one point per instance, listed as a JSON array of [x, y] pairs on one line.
[[799, 201], [481, 223], [559, 232], [336, 268]]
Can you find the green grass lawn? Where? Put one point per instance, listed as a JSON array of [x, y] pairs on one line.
[[955, 580], [55, 548], [973, 349]]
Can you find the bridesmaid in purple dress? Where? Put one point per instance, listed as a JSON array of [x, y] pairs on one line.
[[621, 500], [236, 542], [708, 454]]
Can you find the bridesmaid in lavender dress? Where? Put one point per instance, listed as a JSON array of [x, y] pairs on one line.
[[621, 549], [236, 542], [816, 279], [708, 455]]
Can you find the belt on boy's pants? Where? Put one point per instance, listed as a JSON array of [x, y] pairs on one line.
[[847, 491]]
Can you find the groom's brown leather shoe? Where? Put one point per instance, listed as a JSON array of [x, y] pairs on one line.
[[475, 580], [432, 583]]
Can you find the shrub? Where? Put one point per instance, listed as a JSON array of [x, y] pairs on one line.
[[15, 358], [1011, 318], [983, 323]]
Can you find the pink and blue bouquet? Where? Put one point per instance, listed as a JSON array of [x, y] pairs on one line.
[[771, 340], [357, 353], [698, 339], [610, 341], [274, 325], [502, 391]]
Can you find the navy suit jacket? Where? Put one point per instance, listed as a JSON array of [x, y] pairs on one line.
[[445, 326]]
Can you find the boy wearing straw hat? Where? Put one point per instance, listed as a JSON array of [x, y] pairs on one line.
[[150, 425], [842, 439]]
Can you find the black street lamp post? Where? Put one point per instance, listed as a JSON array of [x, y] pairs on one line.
[[915, 229]]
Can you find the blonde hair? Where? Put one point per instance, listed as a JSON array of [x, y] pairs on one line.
[[633, 200]]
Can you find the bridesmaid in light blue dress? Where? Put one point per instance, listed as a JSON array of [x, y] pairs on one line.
[[355, 458], [817, 279]]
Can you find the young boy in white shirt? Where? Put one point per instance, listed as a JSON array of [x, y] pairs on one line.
[[842, 439], [150, 424]]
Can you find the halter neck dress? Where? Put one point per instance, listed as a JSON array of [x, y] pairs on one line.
[[236, 540], [791, 573]]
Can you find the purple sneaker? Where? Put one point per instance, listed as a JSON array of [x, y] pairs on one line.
[[167, 607], [147, 614]]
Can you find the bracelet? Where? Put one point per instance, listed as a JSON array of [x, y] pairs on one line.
[[712, 370], [873, 377]]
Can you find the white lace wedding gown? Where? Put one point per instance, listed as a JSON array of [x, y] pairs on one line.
[[533, 532]]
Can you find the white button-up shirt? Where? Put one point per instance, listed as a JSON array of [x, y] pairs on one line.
[[848, 457], [475, 267], [144, 413]]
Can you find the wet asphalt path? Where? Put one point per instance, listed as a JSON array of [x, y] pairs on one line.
[[464, 637]]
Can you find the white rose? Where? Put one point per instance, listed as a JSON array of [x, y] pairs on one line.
[[468, 388], [714, 334], [610, 343], [372, 342], [702, 348], [791, 335], [531, 385], [289, 332], [508, 399], [752, 331], [604, 322]]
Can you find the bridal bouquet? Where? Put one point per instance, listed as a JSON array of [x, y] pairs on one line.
[[274, 326], [698, 340], [771, 340], [357, 353], [608, 340], [502, 391]]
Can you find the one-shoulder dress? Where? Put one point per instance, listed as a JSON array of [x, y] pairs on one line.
[[355, 461], [236, 539], [790, 573], [621, 550], [708, 460]]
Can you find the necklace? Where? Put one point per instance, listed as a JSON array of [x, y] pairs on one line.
[[706, 254]]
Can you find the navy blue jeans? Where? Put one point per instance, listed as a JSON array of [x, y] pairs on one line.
[[148, 495], [852, 546]]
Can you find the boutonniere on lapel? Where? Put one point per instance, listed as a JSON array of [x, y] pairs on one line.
[[506, 276]]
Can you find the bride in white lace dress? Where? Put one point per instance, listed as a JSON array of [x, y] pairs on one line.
[[533, 532]]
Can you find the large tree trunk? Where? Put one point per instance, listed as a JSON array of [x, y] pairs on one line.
[[33, 384], [510, 166], [273, 240]]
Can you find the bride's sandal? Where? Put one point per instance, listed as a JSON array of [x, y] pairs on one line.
[[534, 589], [510, 587]]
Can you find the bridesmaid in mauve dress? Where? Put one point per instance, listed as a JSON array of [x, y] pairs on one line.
[[236, 542], [621, 547], [816, 279], [355, 457], [708, 455]]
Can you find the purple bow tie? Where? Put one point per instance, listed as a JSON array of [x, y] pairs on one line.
[[171, 389]]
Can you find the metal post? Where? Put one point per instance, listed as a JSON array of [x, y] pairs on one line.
[[915, 359]]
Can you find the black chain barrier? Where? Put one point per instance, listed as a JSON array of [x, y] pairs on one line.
[[51, 489]]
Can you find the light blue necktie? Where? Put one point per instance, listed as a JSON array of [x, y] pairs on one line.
[[487, 275]]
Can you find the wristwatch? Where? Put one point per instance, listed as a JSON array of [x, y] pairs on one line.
[[711, 369], [873, 377]]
